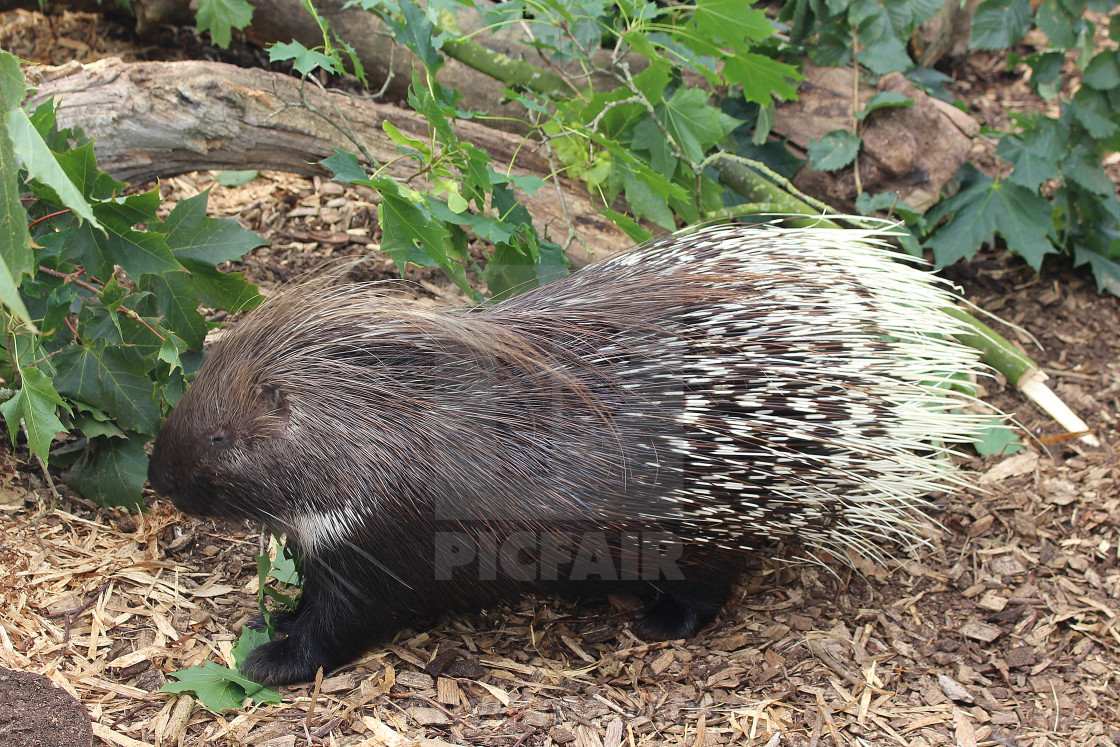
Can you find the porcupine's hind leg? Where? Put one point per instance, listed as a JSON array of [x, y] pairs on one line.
[[687, 605]]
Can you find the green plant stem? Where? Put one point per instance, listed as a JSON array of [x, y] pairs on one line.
[[515, 74], [995, 349]]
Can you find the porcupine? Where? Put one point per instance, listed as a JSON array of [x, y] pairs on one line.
[[643, 422]]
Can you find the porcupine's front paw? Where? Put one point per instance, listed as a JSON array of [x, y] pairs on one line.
[[282, 621], [282, 662]]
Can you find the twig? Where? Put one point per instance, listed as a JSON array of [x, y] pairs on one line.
[[71, 615]]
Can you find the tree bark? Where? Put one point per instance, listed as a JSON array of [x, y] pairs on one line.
[[159, 119]]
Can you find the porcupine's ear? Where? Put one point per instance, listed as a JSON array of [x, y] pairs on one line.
[[271, 409]]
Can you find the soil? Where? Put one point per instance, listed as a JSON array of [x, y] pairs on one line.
[[36, 713], [1006, 631]]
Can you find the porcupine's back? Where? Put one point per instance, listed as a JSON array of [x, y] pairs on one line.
[[804, 373], [732, 384]]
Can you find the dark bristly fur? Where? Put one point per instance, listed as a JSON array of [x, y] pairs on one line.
[[725, 388]]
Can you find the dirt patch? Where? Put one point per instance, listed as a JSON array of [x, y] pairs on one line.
[[36, 713]]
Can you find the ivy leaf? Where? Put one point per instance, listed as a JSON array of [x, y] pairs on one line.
[[304, 60], [997, 24], [112, 471], [36, 403], [834, 151], [219, 688], [219, 17]]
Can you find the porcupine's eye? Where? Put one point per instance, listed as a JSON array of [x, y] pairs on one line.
[[220, 438]]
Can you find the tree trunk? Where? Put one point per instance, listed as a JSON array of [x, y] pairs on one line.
[[160, 119]]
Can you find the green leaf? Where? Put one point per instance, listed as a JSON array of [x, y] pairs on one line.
[[1059, 25], [193, 236], [136, 252], [35, 403], [984, 206], [80, 165], [880, 48], [220, 17], [42, 165], [646, 203], [491, 229], [1035, 160], [304, 60], [416, 33], [1103, 71], [236, 178], [15, 241], [761, 77], [175, 298], [223, 290], [996, 438], [112, 471], [219, 688], [115, 379], [1095, 112], [246, 642], [1083, 165], [694, 124], [998, 24], [888, 202], [834, 151], [345, 167], [284, 568], [883, 100], [636, 233], [406, 142], [408, 233], [1106, 271], [512, 270], [13, 87], [733, 21]]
